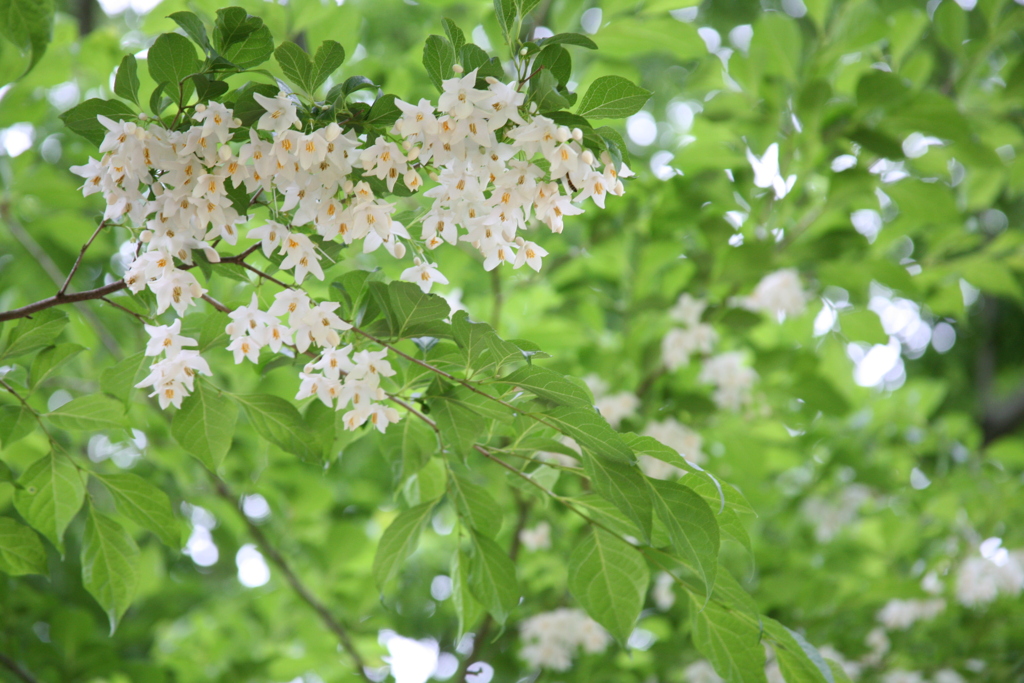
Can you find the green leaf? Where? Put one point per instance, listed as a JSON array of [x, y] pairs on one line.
[[471, 338], [207, 90], [52, 358], [49, 496], [329, 56], [731, 644], [475, 505], [609, 578], [549, 385], [492, 578], [428, 484], [438, 58], [410, 311], [776, 46], [241, 38], [28, 25], [296, 65], [383, 113], [398, 542], [144, 504], [612, 97], [472, 57], [205, 425], [119, 380], [555, 60], [592, 432], [340, 92], [16, 422], [109, 565], [126, 82], [460, 427], [91, 413], [691, 527], [568, 39], [505, 12], [412, 443], [193, 27], [624, 487], [545, 92], [799, 660], [455, 35], [467, 609], [838, 672], [82, 119], [37, 332], [172, 58], [21, 551], [277, 421]]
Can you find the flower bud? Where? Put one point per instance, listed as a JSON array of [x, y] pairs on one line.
[[332, 131], [563, 134], [130, 128], [143, 116], [224, 153], [414, 154], [417, 262], [200, 108], [523, 52], [399, 250], [491, 80], [347, 187], [577, 134], [433, 176], [145, 236], [236, 122], [587, 157], [457, 68], [520, 242]]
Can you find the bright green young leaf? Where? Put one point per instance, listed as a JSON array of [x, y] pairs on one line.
[[37, 332], [109, 565], [277, 421], [591, 431], [609, 579], [119, 380], [550, 385], [475, 505], [438, 58], [612, 97], [205, 425], [799, 660], [505, 11], [455, 36], [126, 82], [691, 526], [49, 496], [21, 551], [16, 422], [49, 360], [144, 504], [492, 578], [460, 426], [467, 609], [172, 59], [92, 413], [623, 486], [731, 644], [398, 542]]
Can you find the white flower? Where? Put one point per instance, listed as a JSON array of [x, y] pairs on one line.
[[424, 275], [245, 347], [530, 254], [780, 293], [166, 339], [766, 171], [281, 113], [537, 538]]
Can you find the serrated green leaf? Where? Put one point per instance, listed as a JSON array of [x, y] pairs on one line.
[[35, 333], [549, 385], [460, 427], [799, 661], [492, 578], [505, 11], [48, 360], [475, 505], [623, 486], [28, 24], [455, 35], [398, 542], [568, 39], [438, 58], [205, 425], [467, 609], [278, 421], [90, 413], [193, 27], [119, 380], [609, 579], [384, 112], [172, 59], [241, 38], [49, 496], [21, 551], [731, 644], [296, 65], [126, 82], [16, 422], [144, 504], [109, 565], [471, 338], [691, 526], [591, 431], [329, 56], [82, 119], [612, 97], [409, 310]]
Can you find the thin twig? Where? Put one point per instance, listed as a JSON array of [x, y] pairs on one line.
[[139, 316], [333, 624], [16, 669], [216, 304], [29, 408], [78, 261]]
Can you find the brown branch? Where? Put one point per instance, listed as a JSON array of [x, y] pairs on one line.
[[98, 293], [328, 619], [129, 311], [16, 669]]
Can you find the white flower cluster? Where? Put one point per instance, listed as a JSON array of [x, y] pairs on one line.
[[694, 337], [553, 638], [173, 377], [780, 294], [676, 436], [829, 514], [176, 187], [980, 580], [732, 378], [902, 614]]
